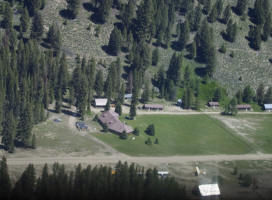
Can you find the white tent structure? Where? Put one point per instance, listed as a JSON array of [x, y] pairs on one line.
[[209, 190], [100, 102]]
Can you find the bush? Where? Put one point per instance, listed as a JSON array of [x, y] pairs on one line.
[[105, 128], [136, 132], [246, 180], [95, 118], [223, 49], [148, 141], [232, 54], [150, 130], [123, 136], [235, 171]]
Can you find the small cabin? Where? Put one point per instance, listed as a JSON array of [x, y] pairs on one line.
[[208, 190], [213, 104], [152, 107], [128, 96], [244, 107], [100, 102]]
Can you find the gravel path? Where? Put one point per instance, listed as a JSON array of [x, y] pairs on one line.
[[140, 160]]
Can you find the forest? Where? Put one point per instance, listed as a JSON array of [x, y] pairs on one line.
[[34, 70], [100, 182]]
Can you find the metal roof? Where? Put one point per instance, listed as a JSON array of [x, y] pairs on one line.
[[209, 189], [267, 106], [101, 102]]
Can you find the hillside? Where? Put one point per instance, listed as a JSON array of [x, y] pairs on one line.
[[247, 67]]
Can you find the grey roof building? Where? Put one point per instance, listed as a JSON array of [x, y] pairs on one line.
[[111, 118]]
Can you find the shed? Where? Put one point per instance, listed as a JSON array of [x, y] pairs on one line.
[[213, 104], [153, 107], [100, 102], [163, 173], [81, 126], [268, 107], [209, 190], [128, 96], [245, 107]]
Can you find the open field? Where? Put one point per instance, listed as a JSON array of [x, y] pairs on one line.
[[179, 135], [256, 129]]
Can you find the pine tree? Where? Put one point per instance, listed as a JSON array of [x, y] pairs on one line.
[[25, 125], [231, 31], [118, 108], [146, 93], [267, 27], [268, 96], [33, 6], [155, 56], [187, 98], [37, 27], [227, 14], [114, 45], [207, 7], [99, 83], [104, 10], [248, 94], [197, 18], [255, 37], [54, 38], [73, 6], [24, 19], [128, 13], [260, 94], [150, 130], [9, 131], [5, 184], [174, 70], [81, 96], [33, 142], [184, 35], [8, 17], [213, 14], [192, 50], [241, 7], [259, 12], [132, 111]]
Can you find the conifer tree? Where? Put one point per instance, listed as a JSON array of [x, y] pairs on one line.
[[114, 45], [207, 7], [54, 38], [25, 125], [184, 35], [155, 56], [73, 6], [192, 50], [174, 70], [241, 7], [197, 18], [260, 94], [5, 183], [37, 27], [255, 37], [8, 17], [248, 94], [118, 108], [226, 14], [146, 93], [259, 12], [128, 13], [99, 83], [268, 96], [33, 141], [104, 10], [24, 19], [267, 27], [33, 6], [81, 96], [213, 14], [231, 31], [132, 111]]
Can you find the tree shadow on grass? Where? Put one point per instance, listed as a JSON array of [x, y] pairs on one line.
[[251, 15], [201, 71], [175, 46], [66, 14], [89, 7], [69, 112]]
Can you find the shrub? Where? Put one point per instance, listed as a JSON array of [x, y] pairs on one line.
[[150, 130], [95, 118], [156, 141], [246, 180], [123, 136], [136, 132], [223, 48], [148, 141], [232, 54]]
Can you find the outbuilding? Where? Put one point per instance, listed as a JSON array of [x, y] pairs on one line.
[[153, 107], [179, 102], [245, 107], [100, 102], [213, 104], [268, 107], [128, 96], [208, 190]]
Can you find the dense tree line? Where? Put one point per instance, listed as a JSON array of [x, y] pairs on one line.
[[100, 182]]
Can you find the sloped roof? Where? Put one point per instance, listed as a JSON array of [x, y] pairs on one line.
[[111, 118], [267, 106], [101, 102], [209, 189], [153, 106], [243, 106], [213, 103], [128, 96]]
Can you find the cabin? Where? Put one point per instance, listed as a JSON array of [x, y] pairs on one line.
[[268, 107], [111, 119], [81, 126], [213, 104], [128, 96], [209, 190], [243, 107], [163, 173], [100, 102], [152, 107]]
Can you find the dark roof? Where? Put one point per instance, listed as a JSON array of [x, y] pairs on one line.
[[111, 118], [81, 125], [153, 106], [213, 103], [243, 106]]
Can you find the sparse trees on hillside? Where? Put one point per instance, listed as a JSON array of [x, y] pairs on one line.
[[115, 43]]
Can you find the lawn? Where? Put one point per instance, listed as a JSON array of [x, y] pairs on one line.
[[179, 135]]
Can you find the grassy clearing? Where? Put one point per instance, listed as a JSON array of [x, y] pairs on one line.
[[179, 135], [259, 130], [60, 137]]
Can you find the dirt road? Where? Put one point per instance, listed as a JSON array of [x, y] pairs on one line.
[[140, 160]]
